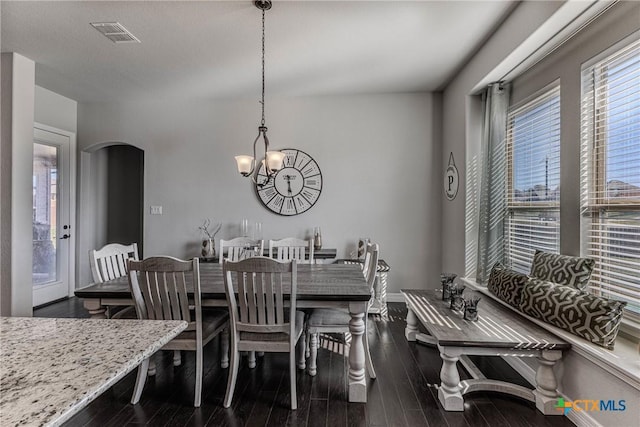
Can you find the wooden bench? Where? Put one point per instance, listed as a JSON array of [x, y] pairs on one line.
[[498, 332]]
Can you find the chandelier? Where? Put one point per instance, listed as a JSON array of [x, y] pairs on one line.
[[272, 162]]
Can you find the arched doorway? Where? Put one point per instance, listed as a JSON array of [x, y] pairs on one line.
[[111, 207]]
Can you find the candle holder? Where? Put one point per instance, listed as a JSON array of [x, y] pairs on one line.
[[471, 309], [446, 279], [456, 299], [457, 303]]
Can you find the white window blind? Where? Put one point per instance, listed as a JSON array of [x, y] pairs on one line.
[[610, 174], [533, 180]]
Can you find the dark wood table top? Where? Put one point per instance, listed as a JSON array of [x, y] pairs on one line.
[[319, 282], [497, 326]]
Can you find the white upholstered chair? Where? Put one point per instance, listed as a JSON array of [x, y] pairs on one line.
[[291, 248], [159, 288], [240, 248], [259, 319], [333, 320]]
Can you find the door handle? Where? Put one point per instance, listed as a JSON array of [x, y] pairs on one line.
[[65, 236]]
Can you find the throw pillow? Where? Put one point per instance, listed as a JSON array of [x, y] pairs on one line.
[[562, 269], [506, 284], [588, 316]]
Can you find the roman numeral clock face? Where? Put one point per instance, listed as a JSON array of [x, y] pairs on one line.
[[296, 187]]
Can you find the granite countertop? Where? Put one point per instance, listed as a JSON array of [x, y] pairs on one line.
[[52, 368]]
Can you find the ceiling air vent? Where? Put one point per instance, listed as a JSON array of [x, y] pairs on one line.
[[115, 32]]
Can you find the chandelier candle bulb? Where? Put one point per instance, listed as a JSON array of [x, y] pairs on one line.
[[245, 164], [275, 160]]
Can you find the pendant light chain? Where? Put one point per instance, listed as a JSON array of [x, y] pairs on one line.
[[262, 102]]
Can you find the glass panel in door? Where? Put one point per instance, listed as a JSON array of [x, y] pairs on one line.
[[45, 214]]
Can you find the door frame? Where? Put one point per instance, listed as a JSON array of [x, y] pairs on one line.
[[72, 242]]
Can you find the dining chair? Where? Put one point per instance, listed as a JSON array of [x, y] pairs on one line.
[[334, 320], [291, 248], [110, 262], [259, 319], [240, 248], [159, 287]]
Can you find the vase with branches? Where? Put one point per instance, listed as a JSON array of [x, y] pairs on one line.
[[209, 244]]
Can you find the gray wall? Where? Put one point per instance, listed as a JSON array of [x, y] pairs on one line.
[[55, 110], [18, 82], [379, 155]]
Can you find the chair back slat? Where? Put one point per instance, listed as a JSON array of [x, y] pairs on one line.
[[278, 295], [240, 248], [270, 303], [175, 303], [260, 288], [243, 311], [110, 261], [291, 248], [159, 287]]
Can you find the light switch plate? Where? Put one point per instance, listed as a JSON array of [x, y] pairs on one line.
[[156, 210]]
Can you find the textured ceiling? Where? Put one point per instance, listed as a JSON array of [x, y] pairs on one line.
[[211, 49]]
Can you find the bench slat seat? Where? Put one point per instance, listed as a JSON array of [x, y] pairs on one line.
[[497, 326]]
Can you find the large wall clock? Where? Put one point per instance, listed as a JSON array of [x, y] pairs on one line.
[[295, 188]]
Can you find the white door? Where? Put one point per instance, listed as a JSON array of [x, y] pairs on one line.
[[53, 234]]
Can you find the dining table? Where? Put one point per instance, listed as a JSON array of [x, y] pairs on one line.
[[318, 286], [51, 368]]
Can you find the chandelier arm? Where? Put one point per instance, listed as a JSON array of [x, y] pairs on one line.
[[254, 162], [267, 169]]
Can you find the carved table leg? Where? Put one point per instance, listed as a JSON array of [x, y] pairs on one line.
[[224, 348], [301, 350], [546, 392], [313, 354], [412, 325], [357, 381], [95, 308], [449, 392]]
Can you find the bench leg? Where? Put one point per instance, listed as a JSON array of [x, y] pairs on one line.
[[412, 325], [546, 392], [450, 390]]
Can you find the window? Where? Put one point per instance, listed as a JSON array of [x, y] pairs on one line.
[[533, 180], [610, 174]]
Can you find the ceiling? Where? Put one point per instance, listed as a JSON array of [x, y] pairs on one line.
[[211, 49]]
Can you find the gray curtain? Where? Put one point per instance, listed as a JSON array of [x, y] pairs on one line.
[[492, 204]]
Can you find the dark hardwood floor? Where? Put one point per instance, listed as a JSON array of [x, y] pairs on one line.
[[404, 394]]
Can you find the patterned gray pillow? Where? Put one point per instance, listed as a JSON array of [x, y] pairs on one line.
[[506, 284], [562, 269], [588, 316]]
